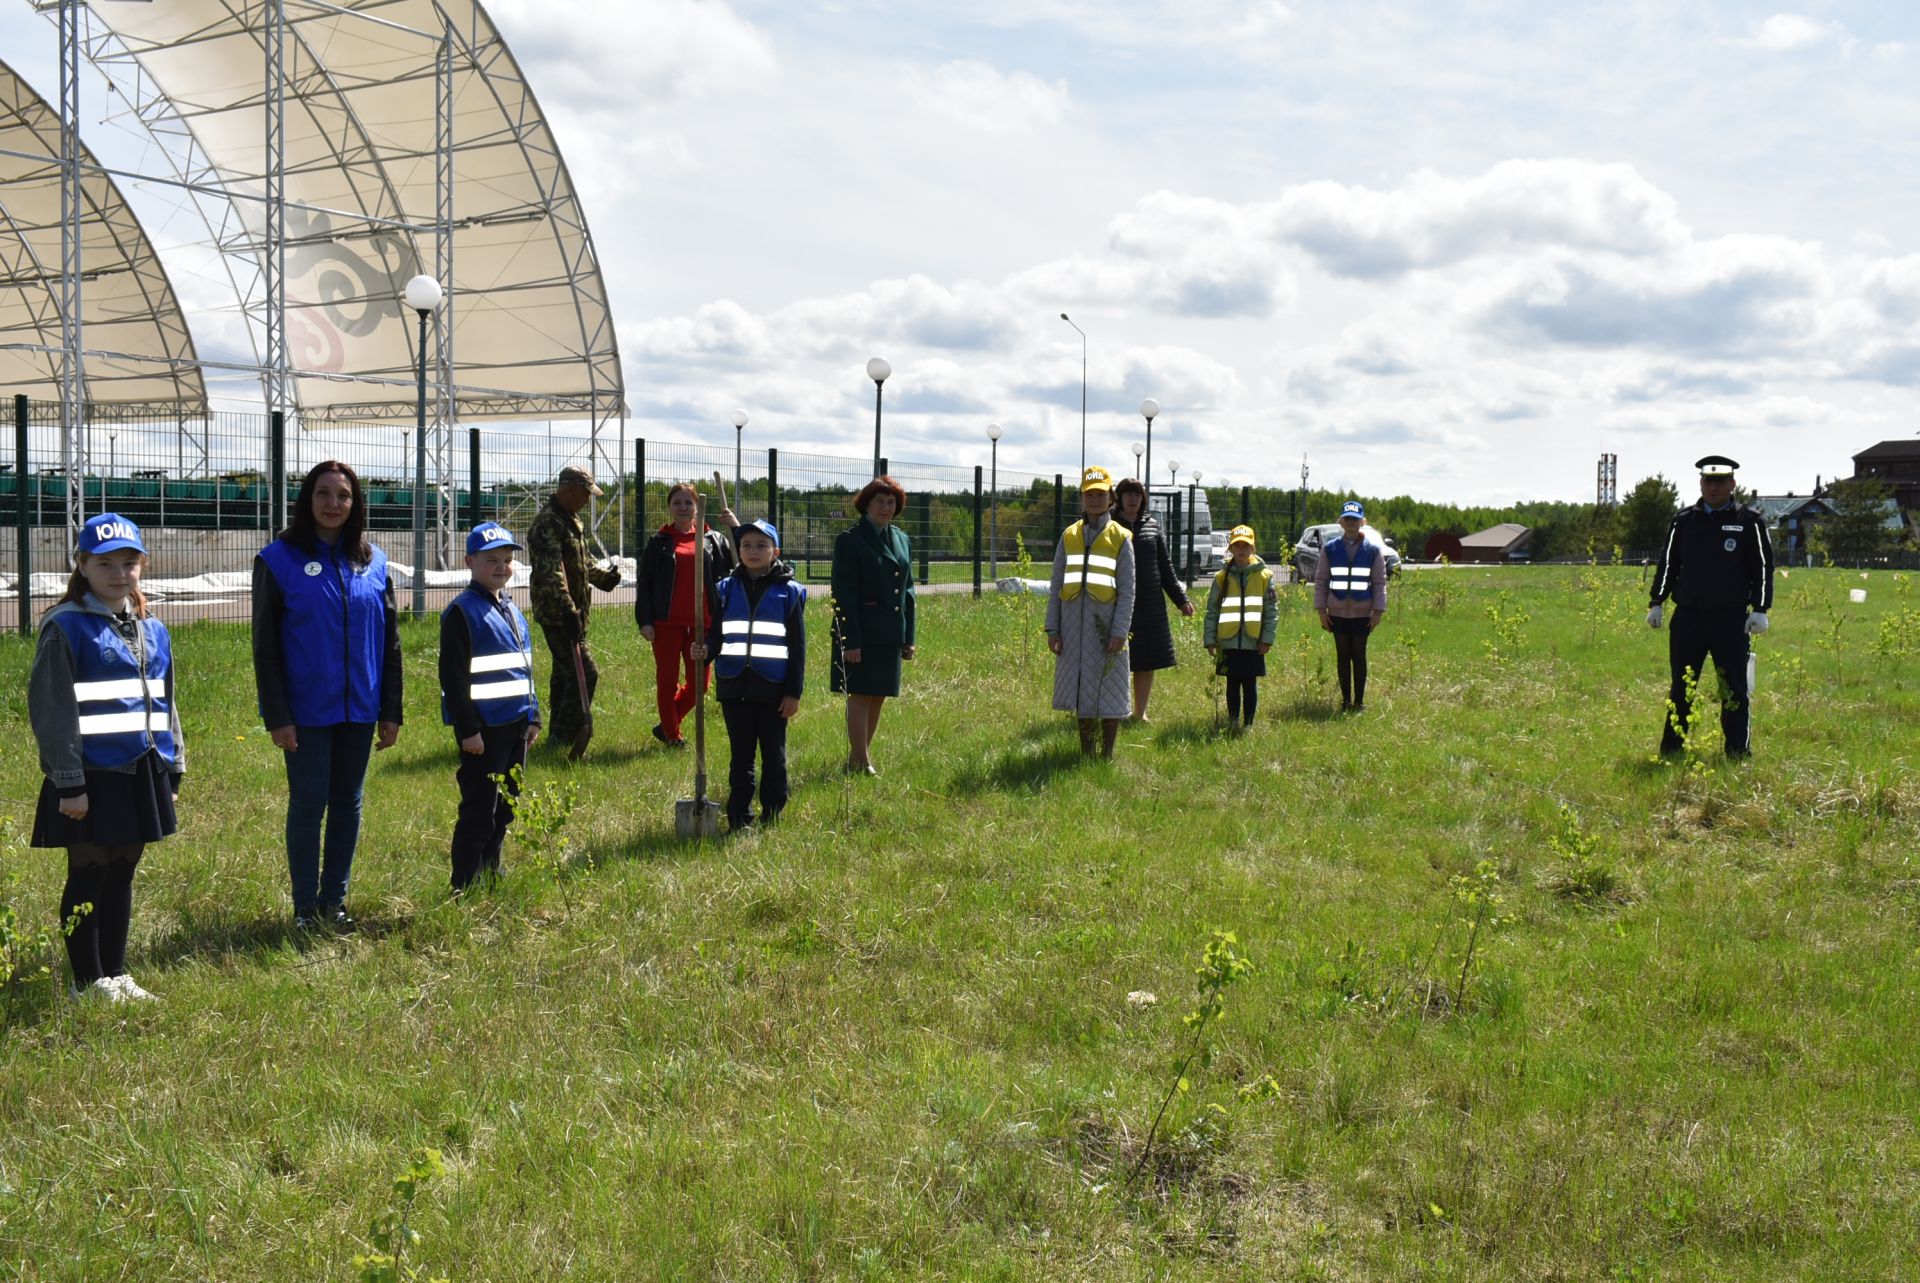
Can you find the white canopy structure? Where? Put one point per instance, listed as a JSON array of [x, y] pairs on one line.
[[337, 150], [128, 306]]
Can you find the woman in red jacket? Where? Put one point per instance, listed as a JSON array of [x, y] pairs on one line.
[[663, 606]]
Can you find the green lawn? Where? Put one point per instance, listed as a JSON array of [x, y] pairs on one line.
[[892, 1040]]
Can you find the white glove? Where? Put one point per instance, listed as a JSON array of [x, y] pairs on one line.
[[1655, 615], [1756, 623]]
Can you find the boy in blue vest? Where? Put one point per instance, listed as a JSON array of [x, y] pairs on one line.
[[759, 640], [486, 695]]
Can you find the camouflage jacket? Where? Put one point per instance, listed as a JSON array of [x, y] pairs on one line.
[[562, 571]]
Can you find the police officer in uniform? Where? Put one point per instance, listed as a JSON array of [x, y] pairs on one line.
[[1717, 566], [561, 585]]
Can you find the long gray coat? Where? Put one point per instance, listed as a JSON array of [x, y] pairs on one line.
[[1087, 681]]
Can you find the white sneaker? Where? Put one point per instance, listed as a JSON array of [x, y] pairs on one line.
[[101, 990], [128, 989]]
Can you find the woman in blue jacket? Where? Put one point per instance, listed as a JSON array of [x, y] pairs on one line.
[[326, 662]]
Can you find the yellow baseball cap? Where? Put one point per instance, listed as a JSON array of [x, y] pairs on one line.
[[1241, 534], [1096, 479]]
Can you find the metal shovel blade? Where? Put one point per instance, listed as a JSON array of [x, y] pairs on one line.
[[696, 817]]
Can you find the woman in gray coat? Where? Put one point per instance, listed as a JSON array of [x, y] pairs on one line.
[[1089, 610]]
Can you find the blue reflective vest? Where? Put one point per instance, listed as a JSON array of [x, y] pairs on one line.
[[123, 711], [1353, 579], [753, 638], [333, 635], [500, 673]]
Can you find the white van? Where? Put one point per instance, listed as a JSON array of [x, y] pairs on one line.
[[1200, 520]]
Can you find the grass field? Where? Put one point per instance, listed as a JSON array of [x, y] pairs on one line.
[[892, 1038]]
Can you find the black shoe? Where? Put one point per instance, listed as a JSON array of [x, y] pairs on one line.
[[306, 920], [1359, 707], [338, 920]]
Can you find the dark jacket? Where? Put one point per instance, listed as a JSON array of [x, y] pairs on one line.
[[653, 583], [1155, 583], [749, 685], [872, 586], [1716, 560], [332, 694]]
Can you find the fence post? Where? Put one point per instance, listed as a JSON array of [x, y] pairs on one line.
[[1246, 505], [22, 475], [1059, 512], [1193, 520], [976, 530], [276, 472], [1173, 509], [474, 516], [639, 492], [926, 540], [773, 486]]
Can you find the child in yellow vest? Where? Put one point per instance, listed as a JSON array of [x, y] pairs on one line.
[[1242, 618]]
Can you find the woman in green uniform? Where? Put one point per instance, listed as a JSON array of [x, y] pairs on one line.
[[872, 614]]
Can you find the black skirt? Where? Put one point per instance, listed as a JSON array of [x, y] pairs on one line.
[[1240, 663], [123, 808]]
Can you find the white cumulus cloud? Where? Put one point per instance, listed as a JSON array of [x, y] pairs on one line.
[[1784, 32], [982, 96]]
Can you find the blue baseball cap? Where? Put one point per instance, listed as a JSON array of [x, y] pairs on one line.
[[1352, 508], [489, 535], [110, 532], [764, 527]]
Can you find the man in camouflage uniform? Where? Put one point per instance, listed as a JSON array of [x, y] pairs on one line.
[[561, 596]]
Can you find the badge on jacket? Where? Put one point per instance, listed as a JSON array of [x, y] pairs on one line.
[[312, 568], [1731, 544]]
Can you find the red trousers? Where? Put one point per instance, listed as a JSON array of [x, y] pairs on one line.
[[673, 691]]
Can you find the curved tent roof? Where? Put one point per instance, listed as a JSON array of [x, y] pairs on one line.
[[532, 334], [127, 304]]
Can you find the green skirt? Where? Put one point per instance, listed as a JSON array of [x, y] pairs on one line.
[[877, 673]]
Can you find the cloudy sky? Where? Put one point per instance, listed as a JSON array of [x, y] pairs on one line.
[[1449, 249]]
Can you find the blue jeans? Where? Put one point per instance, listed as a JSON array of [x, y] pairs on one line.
[[326, 779]]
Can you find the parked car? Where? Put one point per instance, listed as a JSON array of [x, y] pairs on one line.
[[1164, 499], [1306, 550]]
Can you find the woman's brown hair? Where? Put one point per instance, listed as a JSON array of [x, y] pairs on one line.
[[77, 588], [678, 486], [1127, 487], [304, 532], [880, 485]]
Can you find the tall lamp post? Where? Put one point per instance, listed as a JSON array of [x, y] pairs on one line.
[[1149, 410], [1173, 472], [1192, 522], [877, 370], [422, 295], [739, 427], [1083, 390], [993, 435], [1137, 448]]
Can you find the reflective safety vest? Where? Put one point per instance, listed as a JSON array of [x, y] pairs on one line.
[[1350, 579], [1093, 568], [755, 637], [500, 672], [333, 634], [123, 708], [1248, 608]]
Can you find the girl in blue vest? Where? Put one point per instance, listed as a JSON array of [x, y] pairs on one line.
[[486, 695], [326, 664], [759, 641], [1350, 593], [102, 706]]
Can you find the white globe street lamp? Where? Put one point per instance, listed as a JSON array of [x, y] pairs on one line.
[[423, 295], [739, 427], [993, 435], [878, 370], [1149, 410]]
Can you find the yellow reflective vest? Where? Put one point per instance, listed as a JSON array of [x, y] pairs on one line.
[[1093, 568], [1246, 610]]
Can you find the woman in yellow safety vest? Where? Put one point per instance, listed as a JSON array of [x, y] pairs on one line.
[[1242, 618], [1089, 611]]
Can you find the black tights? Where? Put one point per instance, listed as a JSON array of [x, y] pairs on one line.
[[103, 877], [1351, 650], [1242, 693]]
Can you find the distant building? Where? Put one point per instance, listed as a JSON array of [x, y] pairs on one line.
[[1898, 464], [1792, 518], [1504, 542]]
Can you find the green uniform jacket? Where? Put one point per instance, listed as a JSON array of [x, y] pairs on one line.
[[1269, 613], [561, 571], [872, 586]]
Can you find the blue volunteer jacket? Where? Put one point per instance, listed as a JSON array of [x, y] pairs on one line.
[[495, 686], [333, 632], [759, 638], [124, 709]]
